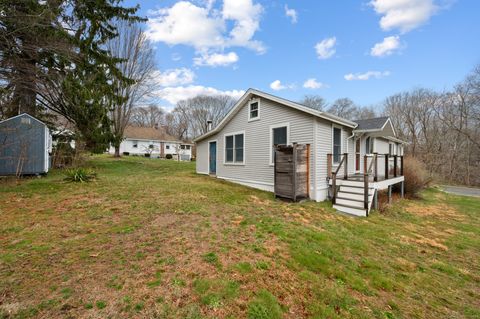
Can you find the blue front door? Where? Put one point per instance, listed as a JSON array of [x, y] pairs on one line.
[[213, 158]]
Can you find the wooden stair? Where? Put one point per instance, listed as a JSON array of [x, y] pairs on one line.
[[350, 198]]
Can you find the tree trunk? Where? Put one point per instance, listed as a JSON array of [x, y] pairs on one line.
[[117, 150]]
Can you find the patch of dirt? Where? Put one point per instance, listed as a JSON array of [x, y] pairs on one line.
[[434, 243], [438, 210], [259, 201]]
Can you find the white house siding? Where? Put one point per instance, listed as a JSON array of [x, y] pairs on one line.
[[143, 147], [202, 157], [257, 171]]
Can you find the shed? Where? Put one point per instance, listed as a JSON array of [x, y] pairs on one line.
[[25, 144]]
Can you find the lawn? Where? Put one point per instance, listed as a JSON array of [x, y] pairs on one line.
[[151, 239]]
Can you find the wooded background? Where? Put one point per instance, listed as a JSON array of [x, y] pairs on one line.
[[88, 67]]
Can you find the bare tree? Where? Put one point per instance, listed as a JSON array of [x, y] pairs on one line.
[[190, 117], [147, 116], [314, 101], [343, 107], [138, 65]]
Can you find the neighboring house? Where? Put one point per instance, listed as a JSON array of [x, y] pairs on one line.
[[153, 141], [241, 148], [25, 146]]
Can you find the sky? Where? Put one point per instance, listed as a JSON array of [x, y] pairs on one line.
[[364, 50]]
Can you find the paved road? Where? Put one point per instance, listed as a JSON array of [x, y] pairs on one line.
[[458, 190]]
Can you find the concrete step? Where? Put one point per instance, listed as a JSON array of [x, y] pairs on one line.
[[351, 210]]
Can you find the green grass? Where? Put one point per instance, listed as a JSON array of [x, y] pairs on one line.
[[150, 238]]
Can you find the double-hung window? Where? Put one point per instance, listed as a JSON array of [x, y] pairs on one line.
[[279, 136], [234, 148], [253, 110], [337, 144]]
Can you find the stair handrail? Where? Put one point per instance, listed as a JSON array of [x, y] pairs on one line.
[[334, 174]]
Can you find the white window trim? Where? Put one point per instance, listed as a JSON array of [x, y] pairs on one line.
[[270, 143], [225, 149], [334, 126], [250, 103]]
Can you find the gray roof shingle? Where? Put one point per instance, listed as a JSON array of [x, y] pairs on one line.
[[371, 124]]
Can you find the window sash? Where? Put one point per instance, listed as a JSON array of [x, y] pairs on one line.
[[234, 148], [253, 110], [279, 137]]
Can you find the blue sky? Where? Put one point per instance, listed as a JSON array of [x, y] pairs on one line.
[[364, 50]]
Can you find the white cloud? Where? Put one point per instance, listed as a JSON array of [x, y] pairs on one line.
[[246, 17], [292, 14], [312, 83], [206, 28], [404, 15], [326, 48], [277, 85], [173, 77], [386, 47], [175, 94], [216, 59], [367, 75]]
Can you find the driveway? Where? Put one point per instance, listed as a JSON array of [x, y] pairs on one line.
[[459, 190]]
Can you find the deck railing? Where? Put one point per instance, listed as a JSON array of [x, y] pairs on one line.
[[368, 170], [393, 165]]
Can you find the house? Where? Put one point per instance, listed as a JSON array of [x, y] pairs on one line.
[[25, 146], [154, 142], [241, 149]]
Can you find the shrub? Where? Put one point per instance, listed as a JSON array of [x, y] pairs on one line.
[[126, 153], [147, 154], [168, 156], [416, 176], [80, 175]]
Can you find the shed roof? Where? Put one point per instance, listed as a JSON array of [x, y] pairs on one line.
[[22, 115]]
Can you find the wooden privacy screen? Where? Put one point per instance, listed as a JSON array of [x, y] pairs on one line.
[[291, 171]]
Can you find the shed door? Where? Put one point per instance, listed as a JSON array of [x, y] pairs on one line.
[[212, 157]]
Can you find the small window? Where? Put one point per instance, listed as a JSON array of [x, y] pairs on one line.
[[187, 147], [253, 112], [234, 148], [25, 120], [135, 144], [151, 146], [182, 147], [279, 137], [167, 147], [337, 144]]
